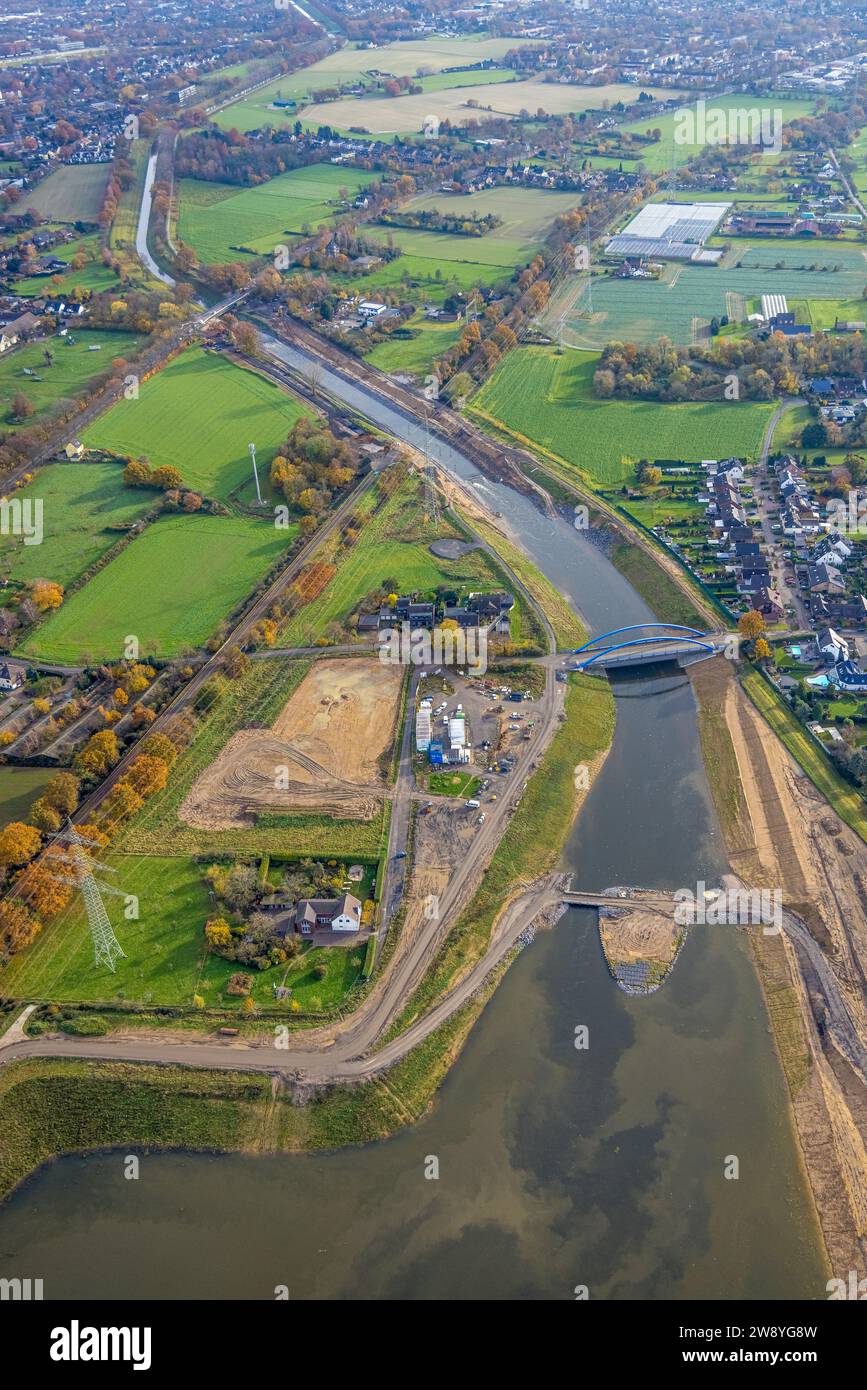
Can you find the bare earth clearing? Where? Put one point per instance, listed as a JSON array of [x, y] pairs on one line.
[[796, 842], [322, 754]]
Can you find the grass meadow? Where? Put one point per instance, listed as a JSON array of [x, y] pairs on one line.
[[221, 221], [548, 400], [199, 414], [83, 504], [170, 587], [74, 365]]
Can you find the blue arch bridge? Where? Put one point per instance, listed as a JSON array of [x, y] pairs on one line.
[[645, 644]]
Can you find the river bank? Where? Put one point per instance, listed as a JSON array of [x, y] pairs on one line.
[[780, 834]]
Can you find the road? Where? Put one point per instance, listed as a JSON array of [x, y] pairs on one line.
[[144, 218]]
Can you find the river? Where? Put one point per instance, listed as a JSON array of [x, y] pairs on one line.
[[558, 1168]]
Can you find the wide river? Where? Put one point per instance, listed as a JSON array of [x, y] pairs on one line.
[[602, 1167]]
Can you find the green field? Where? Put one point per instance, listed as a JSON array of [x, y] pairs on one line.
[[64, 381], [199, 414], [424, 277], [393, 544], [80, 503], [170, 587], [415, 354], [347, 67], [548, 400], [658, 157], [93, 277], [221, 221], [166, 961], [72, 193], [453, 784], [687, 297], [19, 788]]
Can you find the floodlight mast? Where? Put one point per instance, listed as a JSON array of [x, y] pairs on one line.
[[251, 449]]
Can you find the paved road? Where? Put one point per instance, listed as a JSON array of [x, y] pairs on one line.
[[144, 218]]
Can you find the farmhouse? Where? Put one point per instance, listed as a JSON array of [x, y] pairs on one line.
[[11, 677], [335, 914]]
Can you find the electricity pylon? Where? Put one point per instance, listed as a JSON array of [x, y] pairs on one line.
[[106, 947]]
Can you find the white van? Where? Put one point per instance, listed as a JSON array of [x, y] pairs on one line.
[[473, 805]]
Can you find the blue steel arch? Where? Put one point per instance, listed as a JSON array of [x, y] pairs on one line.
[[637, 627], [641, 642]]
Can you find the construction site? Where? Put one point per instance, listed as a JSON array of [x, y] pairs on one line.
[[326, 752]]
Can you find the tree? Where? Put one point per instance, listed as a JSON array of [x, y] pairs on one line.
[[22, 408], [17, 927], [762, 649], [62, 793], [137, 474], [218, 932], [148, 774], [98, 755], [46, 594], [44, 892], [18, 843], [751, 625]]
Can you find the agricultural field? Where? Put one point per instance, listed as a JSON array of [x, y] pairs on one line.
[[683, 301], [435, 264], [405, 115], [221, 221], [92, 277], [72, 193], [199, 414], [418, 353], [52, 387], [347, 67], [85, 508], [548, 399], [171, 587], [394, 545], [167, 962], [657, 157], [424, 277]]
